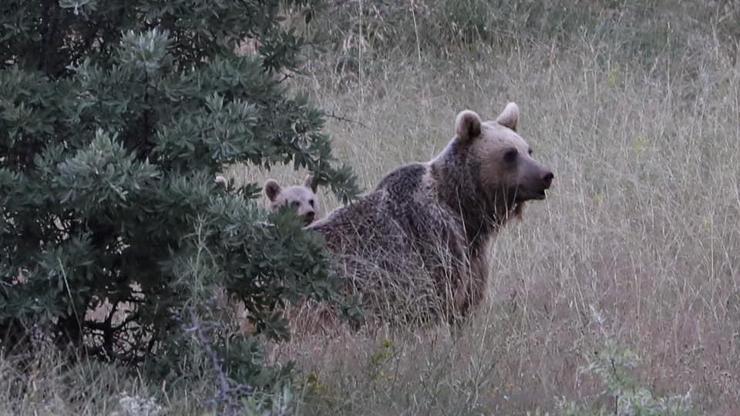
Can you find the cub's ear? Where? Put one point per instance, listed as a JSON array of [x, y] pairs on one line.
[[467, 126], [272, 189], [509, 117], [311, 182]]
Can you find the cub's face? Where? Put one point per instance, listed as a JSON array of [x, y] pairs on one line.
[[301, 199], [504, 158]]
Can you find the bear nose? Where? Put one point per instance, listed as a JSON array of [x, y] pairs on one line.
[[310, 215], [547, 179]]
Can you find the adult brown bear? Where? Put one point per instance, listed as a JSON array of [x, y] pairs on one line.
[[423, 234]]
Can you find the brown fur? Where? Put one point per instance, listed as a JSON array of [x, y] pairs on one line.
[[434, 221]]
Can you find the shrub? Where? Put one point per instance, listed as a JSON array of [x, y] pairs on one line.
[[115, 117]]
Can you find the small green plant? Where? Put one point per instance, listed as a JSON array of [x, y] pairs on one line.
[[281, 402], [614, 366], [137, 406], [379, 359]]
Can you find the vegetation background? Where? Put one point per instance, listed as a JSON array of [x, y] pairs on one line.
[[619, 294]]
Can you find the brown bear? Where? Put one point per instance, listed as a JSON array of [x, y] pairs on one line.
[[425, 230], [300, 198]]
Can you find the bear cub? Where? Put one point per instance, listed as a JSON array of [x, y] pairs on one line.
[[300, 198]]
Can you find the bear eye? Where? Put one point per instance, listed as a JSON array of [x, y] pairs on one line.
[[295, 204], [530, 152], [511, 155], [310, 202]]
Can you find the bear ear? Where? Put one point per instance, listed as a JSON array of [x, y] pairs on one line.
[[311, 182], [509, 117], [467, 125], [272, 189]]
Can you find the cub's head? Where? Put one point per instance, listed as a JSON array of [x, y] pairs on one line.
[[502, 159], [300, 198]]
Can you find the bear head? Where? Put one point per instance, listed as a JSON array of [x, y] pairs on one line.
[[300, 198], [497, 160]]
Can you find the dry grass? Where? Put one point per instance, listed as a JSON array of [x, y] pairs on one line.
[[642, 226]]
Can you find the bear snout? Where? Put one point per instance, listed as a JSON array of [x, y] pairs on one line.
[[547, 179], [309, 217], [534, 186]]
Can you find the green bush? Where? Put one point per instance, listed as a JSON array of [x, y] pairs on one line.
[[115, 117]]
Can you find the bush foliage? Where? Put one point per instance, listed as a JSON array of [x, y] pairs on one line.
[[115, 118]]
